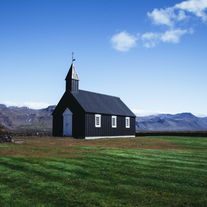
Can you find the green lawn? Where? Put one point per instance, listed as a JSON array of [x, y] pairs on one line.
[[142, 171]]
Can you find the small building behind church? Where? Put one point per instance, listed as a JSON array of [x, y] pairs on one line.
[[88, 115]]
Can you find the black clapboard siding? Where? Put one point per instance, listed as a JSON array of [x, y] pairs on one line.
[[72, 85], [68, 101], [106, 126]]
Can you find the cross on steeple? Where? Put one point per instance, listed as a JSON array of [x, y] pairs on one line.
[[72, 57]]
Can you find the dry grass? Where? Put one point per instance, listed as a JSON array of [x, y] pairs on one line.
[[125, 143], [63, 147], [72, 153]]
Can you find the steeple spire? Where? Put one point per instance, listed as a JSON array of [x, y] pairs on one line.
[[72, 80]]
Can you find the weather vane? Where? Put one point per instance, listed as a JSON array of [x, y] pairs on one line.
[[72, 57]]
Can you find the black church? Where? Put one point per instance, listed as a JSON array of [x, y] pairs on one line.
[[88, 115]]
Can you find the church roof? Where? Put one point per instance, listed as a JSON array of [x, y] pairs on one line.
[[72, 73], [101, 104]]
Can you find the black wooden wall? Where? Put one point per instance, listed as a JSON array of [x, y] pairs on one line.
[[106, 126], [72, 85], [68, 101]]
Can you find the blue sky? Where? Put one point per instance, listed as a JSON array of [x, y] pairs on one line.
[[151, 54]]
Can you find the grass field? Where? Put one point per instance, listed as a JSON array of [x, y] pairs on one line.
[[143, 171]]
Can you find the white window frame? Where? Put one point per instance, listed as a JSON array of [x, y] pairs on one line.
[[98, 116], [114, 125], [127, 122]]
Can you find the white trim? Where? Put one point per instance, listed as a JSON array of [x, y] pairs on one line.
[[67, 112], [103, 137], [127, 125], [99, 120], [67, 122], [115, 123]]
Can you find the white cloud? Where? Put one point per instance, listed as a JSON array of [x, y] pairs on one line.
[[181, 15], [150, 35], [173, 35], [123, 41], [147, 113], [162, 16], [199, 114], [138, 112], [149, 44], [32, 105], [196, 7], [171, 17], [150, 39]]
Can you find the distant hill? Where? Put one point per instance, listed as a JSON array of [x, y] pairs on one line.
[[25, 119], [168, 122]]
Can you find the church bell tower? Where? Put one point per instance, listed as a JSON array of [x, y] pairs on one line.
[[72, 80]]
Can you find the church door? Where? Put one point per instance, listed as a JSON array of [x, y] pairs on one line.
[[67, 123]]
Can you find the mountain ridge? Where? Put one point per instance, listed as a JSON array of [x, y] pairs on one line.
[[26, 119], [169, 122]]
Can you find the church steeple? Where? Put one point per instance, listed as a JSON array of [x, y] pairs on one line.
[[72, 80]]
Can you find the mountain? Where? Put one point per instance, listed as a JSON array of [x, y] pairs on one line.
[[26, 119], [2, 106], [168, 122]]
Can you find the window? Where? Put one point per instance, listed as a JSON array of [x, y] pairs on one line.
[[97, 120], [113, 122], [127, 122]]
